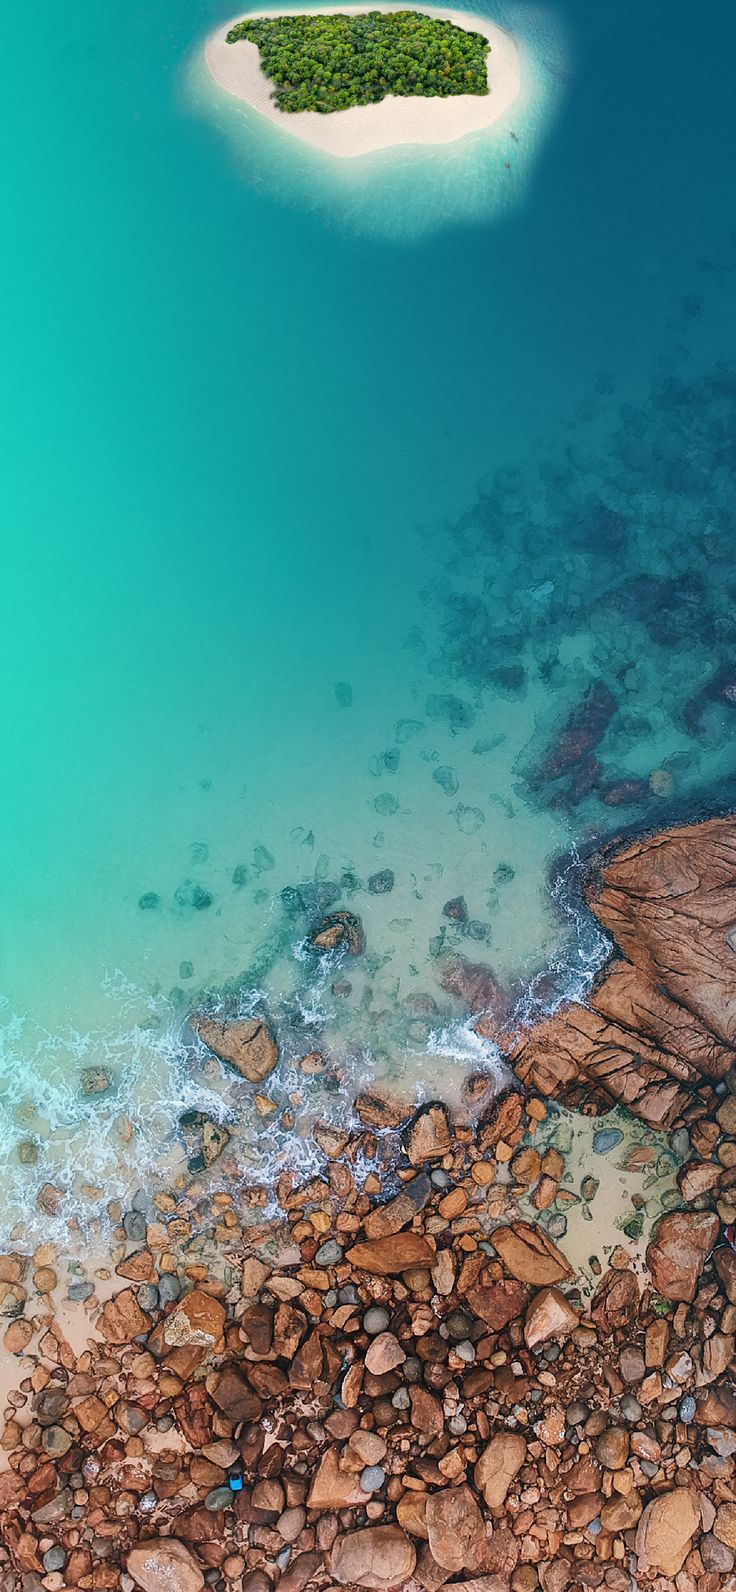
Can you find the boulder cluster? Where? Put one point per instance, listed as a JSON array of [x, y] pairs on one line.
[[397, 1382]]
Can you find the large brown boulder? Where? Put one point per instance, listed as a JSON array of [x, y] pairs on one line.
[[680, 1245], [378, 1557], [628, 997], [455, 1529], [428, 1136], [164, 1562], [666, 1530], [670, 904], [246, 1044], [530, 1255], [386, 1257]]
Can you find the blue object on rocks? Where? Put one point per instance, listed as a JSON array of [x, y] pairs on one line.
[[606, 1139]]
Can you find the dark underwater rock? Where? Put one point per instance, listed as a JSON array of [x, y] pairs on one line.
[[582, 731], [192, 897], [149, 901], [382, 882], [450, 710], [629, 792], [343, 694], [456, 909], [471, 982]]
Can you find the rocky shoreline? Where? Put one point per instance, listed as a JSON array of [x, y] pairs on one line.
[[400, 1381]]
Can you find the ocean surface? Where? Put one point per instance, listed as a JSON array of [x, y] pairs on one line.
[[330, 490]]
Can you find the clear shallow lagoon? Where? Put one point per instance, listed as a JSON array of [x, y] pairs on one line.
[[246, 414]]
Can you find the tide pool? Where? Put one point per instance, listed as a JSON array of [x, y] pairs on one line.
[[295, 462]]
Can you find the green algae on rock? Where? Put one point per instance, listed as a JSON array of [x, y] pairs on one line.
[[329, 63]]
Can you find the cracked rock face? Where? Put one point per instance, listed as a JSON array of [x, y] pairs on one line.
[[244, 1043], [660, 1027]]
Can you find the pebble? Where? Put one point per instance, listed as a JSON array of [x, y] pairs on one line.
[[134, 1225], [54, 1559], [372, 1478], [169, 1287], [630, 1408], [606, 1139], [576, 1413], [79, 1290], [375, 1320], [329, 1254], [686, 1409], [557, 1226], [439, 1179], [219, 1498], [147, 1296]]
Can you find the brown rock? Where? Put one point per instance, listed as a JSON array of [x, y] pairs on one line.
[[696, 1178], [340, 931], [164, 1562], [426, 1413], [724, 1525], [235, 1397], [384, 1353], [615, 1301], [198, 1322], [628, 997], [724, 1261], [386, 1257], [499, 1463], [333, 1488], [549, 1316], [121, 1318], [530, 1255], [376, 1108], [428, 1136], [497, 1303], [244, 1043], [668, 901], [378, 1557], [455, 1529], [411, 1513], [680, 1245], [666, 1530], [387, 1219], [612, 1448]]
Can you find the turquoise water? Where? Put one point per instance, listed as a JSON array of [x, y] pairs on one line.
[[247, 405]]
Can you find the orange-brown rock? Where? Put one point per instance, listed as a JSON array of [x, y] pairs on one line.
[[501, 1460], [332, 1487], [628, 997], [530, 1255], [428, 1136], [549, 1316], [198, 1322], [164, 1562], [615, 1301], [666, 1530], [246, 1044], [386, 1257], [680, 1245], [455, 1529], [378, 1558], [670, 904], [121, 1318]]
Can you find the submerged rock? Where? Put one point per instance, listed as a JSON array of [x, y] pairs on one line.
[[245, 1043], [340, 931], [381, 883]]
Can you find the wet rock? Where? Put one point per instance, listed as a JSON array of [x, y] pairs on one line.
[[121, 1319], [339, 931], [386, 1257], [581, 734], [95, 1081], [456, 909], [149, 901], [666, 1529], [198, 1322], [381, 883], [428, 1136], [246, 1044], [529, 1255], [549, 1316], [450, 710], [164, 1562], [679, 1248], [398, 1212], [472, 982], [377, 1557], [215, 1138], [500, 1462], [192, 897], [447, 779]]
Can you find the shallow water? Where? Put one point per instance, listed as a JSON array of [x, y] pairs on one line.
[[327, 495]]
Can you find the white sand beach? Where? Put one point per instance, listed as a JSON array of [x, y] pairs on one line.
[[397, 119]]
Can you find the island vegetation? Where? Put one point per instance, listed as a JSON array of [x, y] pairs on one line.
[[331, 62]]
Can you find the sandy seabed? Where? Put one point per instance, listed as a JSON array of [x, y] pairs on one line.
[[397, 119]]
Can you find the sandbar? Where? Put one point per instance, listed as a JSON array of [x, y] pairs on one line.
[[397, 119]]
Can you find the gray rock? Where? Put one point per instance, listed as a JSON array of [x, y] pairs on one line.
[[606, 1140], [54, 1559], [376, 1320], [134, 1225], [630, 1408], [219, 1498], [372, 1478], [169, 1287], [381, 883], [686, 1409], [78, 1291], [329, 1254], [147, 1296]]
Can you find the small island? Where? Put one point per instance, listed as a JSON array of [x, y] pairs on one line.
[[357, 79], [328, 63]]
